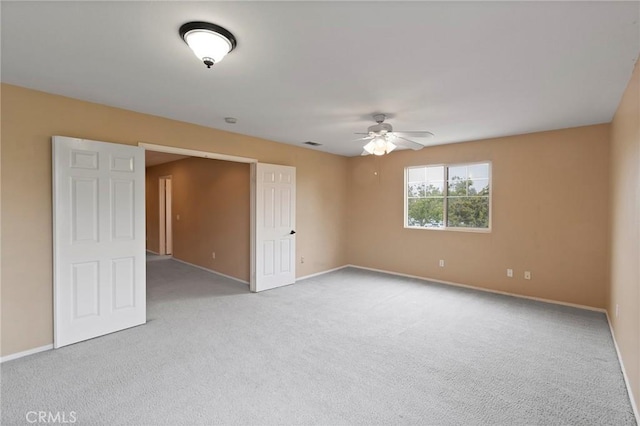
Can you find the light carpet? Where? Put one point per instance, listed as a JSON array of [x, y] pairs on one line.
[[349, 347]]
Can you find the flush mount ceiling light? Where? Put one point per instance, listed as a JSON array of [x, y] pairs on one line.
[[209, 42]]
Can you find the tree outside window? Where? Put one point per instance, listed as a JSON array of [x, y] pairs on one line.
[[441, 197]]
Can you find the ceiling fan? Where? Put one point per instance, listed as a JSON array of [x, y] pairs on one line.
[[382, 139]]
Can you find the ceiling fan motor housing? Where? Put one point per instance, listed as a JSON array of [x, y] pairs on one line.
[[380, 129]]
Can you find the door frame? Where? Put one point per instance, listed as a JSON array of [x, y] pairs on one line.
[[224, 157], [165, 245]]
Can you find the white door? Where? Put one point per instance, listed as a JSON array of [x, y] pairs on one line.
[[99, 239], [274, 225]]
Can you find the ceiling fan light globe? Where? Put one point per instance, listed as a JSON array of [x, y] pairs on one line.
[[370, 147], [207, 44], [379, 150], [390, 147]]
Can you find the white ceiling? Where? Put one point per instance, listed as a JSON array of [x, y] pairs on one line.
[[318, 70]]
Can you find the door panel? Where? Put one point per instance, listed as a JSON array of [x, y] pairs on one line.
[[84, 207], [123, 280], [86, 295], [99, 253], [275, 248], [123, 209]]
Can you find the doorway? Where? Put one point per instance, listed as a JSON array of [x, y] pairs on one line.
[[165, 231], [272, 236]]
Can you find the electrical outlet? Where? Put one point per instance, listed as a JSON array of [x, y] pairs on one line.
[[510, 273], [617, 310], [301, 259], [178, 217], [527, 275], [441, 263], [213, 255]]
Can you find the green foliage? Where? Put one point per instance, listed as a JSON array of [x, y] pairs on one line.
[[467, 204], [468, 212], [426, 212]]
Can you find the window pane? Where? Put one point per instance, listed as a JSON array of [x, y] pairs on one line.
[[479, 187], [435, 189], [415, 190], [435, 173], [457, 186], [457, 173], [457, 181], [479, 171], [468, 212], [416, 174], [425, 212]]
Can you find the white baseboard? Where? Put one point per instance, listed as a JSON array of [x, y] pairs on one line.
[[624, 372], [26, 353], [321, 273], [211, 270], [153, 252], [538, 299]]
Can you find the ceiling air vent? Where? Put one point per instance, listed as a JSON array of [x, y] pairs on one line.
[[312, 143]]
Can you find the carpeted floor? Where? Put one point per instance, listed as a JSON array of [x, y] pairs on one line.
[[350, 347]]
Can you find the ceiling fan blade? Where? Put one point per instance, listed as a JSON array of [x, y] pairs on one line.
[[416, 134], [404, 142]]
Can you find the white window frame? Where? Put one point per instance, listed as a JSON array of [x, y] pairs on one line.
[[446, 189]]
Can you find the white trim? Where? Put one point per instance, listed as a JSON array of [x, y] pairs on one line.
[[538, 299], [195, 153], [253, 177], [168, 218], [26, 353], [165, 243], [476, 230], [162, 221], [211, 270], [321, 273], [624, 372], [152, 252]]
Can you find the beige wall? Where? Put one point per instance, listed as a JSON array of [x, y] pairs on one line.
[[212, 199], [30, 118], [625, 230], [549, 215]]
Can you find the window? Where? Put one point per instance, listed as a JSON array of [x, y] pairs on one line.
[[448, 196]]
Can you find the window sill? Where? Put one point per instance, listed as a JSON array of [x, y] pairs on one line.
[[472, 230]]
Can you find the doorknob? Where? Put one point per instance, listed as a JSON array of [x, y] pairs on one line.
[[292, 232]]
